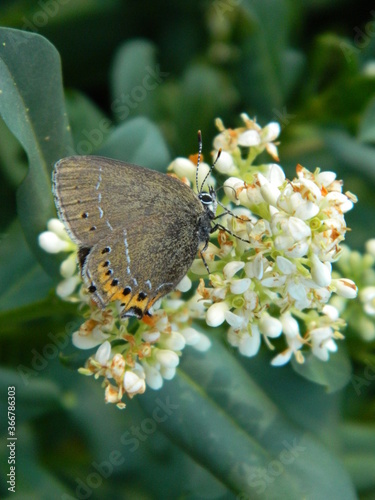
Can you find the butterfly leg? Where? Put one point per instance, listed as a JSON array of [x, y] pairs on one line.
[[202, 257], [219, 226]]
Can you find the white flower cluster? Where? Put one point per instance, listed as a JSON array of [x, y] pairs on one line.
[[127, 361], [294, 229]]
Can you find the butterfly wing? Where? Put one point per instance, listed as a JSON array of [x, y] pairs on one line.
[[95, 196], [137, 229], [141, 263]]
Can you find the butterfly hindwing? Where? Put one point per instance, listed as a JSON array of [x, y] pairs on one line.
[[142, 262]]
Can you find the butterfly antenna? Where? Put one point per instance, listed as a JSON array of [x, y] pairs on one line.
[[199, 157], [227, 211], [211, 169]]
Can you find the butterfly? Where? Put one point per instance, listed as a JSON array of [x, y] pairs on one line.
[[138, 230]]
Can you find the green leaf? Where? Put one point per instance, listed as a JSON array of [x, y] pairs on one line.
[[203, 94], [265, 69], [359, 453], [215, 412], [33, 479], [32, 106], [90, 126], [137, 141], [34, 397], [23, 280], [350, 153], [135, 77], [333, 374], [366, 128]]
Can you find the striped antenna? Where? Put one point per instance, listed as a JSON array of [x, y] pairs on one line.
[[199, 158]]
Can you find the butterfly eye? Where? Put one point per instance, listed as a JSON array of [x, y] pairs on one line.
[[205, 198]]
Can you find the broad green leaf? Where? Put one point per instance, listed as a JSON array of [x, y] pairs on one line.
[[34, 396], [23, 280], [135, 78], [32, 106], [12, 157], [333, 374], [33, 479], [216, 413], [137, 141]]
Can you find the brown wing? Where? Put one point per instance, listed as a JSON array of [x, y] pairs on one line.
[[95, 196], [142, 262]]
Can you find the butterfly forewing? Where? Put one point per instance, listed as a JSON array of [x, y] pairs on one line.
[[137, 228]]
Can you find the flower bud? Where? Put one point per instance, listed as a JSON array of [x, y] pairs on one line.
[[51, 243], [167, 358], [103, 353], [320, 271], [345, 288], [216, 313], [269, 326]]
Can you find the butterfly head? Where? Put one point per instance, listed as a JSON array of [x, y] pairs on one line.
[[209, 202]]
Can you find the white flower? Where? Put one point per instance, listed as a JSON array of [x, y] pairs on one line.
[[292, 336], [167, 372], [275, 174], [153, 376], [184, 285], [345, 288], [151, 336], [203, 344], [216, 313], [270, 192], [240, 286], [322, 342], [269, 326], [167, 358], [232, 268], [320, 271], [68, 267], [225, 164], [370, 246], [133, 384], [84, 341], [103, 353], [51, 243], [367, 296], [186, 169], [56, 239], [67, 286], [174, 341], [249, 343]]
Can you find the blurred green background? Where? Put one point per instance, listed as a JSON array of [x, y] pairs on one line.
[[140, 78]]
